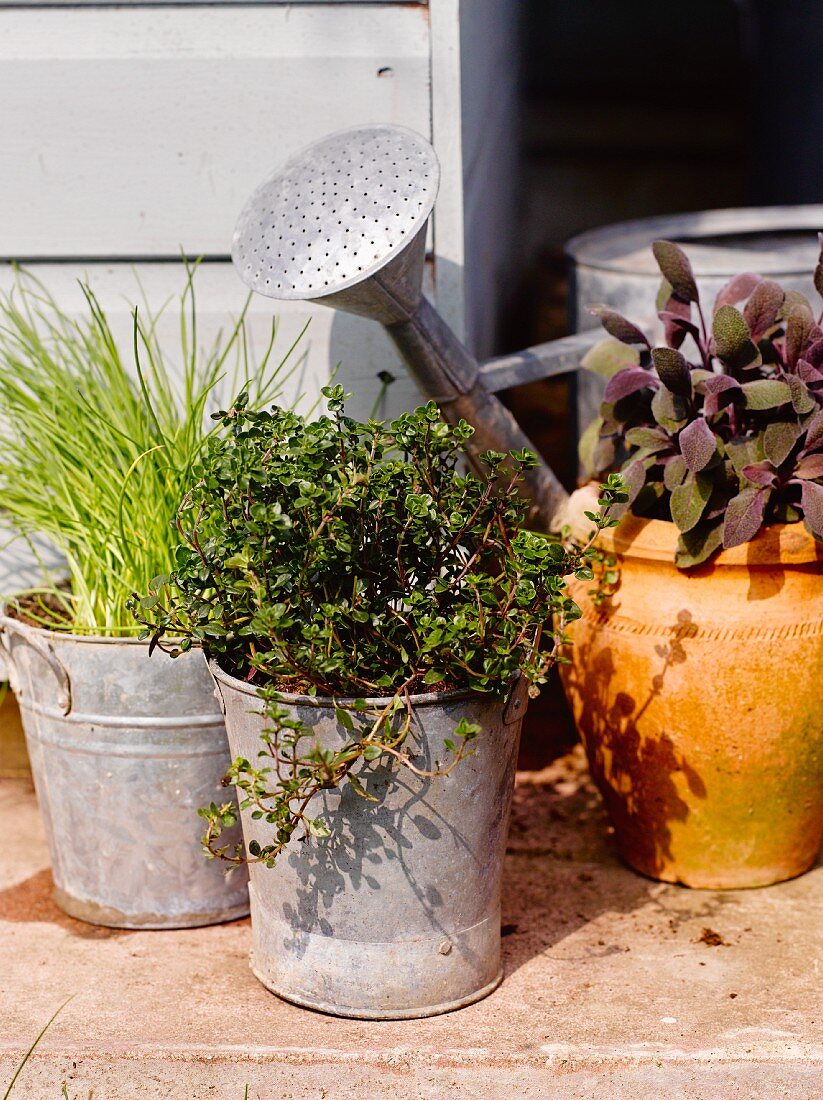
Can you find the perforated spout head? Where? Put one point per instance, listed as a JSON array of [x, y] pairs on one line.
[[343, 223]]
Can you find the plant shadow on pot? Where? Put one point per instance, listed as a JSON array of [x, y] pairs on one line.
[[764, 584], [695, 696], [360, 844], [634, 769], [396, 914]]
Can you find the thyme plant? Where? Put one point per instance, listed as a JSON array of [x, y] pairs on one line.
[[355, 560], [720, 428], [98, 441]]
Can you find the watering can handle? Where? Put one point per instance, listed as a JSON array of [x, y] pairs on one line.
[[45, 652], [446, 372]]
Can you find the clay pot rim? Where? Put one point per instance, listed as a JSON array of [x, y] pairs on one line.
[[656, 540]]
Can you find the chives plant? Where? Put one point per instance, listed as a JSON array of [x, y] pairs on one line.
[[97, 442]]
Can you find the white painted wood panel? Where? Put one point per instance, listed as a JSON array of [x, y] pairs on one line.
[[129, 131], [447, 138], [137, 131], [183, 3]]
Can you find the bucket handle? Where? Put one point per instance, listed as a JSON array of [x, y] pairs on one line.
[[46, 653], [515, 706], [218, 694]]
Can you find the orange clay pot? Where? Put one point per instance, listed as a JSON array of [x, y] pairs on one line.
[[699, 698]]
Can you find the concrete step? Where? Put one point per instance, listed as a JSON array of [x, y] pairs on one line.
[[616, 987]]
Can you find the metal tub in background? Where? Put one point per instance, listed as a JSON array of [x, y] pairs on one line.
[[614, 265], [124, 749], [397, 914]]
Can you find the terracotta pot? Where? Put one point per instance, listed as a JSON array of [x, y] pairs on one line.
[[698, 698]]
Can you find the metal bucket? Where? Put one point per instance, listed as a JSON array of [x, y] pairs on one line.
[[397, 914], [615, 265], [123, 751]]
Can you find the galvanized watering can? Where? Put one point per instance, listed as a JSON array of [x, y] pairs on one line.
[[344, 224]]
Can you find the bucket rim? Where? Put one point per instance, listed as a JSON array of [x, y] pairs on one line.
[[625, 247], [329, 702], [68, 636]]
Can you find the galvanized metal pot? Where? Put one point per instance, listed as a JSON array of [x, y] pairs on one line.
[[123, 750], [397, 914]]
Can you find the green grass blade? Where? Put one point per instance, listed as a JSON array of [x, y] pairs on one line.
[[33, 1046]]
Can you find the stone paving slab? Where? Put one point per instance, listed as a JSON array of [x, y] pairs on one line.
[[611, 990]]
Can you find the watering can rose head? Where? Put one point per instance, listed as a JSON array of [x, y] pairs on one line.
[[357, 560], [721, 428]]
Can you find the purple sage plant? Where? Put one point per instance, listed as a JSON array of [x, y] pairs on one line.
[[721, 429]]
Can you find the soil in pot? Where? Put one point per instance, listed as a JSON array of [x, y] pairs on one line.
[[697, 695]]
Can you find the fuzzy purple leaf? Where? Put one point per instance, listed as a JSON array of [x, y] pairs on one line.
[[766, 393], [617, 326], [732, 341], [795, 298], [677, 328], [799, 326], [811, 500], [697, 444], [673, 371], [676, 316], [675, 267], [626, 382], [810, 467], [779, 440], [744, 515], [763, 308], [688, 501], [807, 373], [814, 433], [760, 473], [669, 302], [720, 390], [814, 353], [736, 289], [802, 400]]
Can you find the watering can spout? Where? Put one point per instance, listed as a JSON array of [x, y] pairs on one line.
[[393, 294], [343, 224]]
